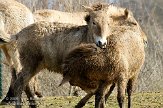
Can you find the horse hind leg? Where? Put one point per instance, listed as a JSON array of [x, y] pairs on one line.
[[35, 84], [109, 92], [100, 94], [130, 85], [30, 96], [22, 84], [9, 95]]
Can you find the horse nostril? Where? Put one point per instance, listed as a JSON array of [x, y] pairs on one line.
[[101, 45], [104, 44]]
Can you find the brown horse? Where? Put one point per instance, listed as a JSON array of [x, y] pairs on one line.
[[48, 42], [14, 16], [94, 69], [44, 45]]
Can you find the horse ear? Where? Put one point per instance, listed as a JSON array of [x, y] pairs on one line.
[[87, 18], [87, 8], [126, 13]]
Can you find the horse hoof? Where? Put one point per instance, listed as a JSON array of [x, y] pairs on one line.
[[4, 101], [38, 94]]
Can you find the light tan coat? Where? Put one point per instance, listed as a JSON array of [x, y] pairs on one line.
[[61, 17], [14, 16]]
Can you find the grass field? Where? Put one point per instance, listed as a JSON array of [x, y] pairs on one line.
[[139, 100]]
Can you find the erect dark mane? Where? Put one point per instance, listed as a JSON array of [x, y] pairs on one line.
[[100, 6], [97, 6]]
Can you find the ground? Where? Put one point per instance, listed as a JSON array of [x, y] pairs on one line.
[[139, 100]]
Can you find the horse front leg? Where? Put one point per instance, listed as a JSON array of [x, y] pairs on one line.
[[22, 84], [83, 101], [121, 85], [109, 92], [100, 94], [130, 85]]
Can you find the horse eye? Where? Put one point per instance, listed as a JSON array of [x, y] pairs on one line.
[[94, 23]]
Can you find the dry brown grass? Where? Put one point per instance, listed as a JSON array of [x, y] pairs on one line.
[[63, 5], [139, 100]]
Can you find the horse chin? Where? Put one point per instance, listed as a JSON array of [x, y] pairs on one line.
[[101, 46]]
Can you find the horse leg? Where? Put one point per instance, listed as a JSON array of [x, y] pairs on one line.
[[22, 81], [35, 87], [100, 94], [109, 92], [83, 101], [9, 95], [121, 85], [30, 97], [130, 85]]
